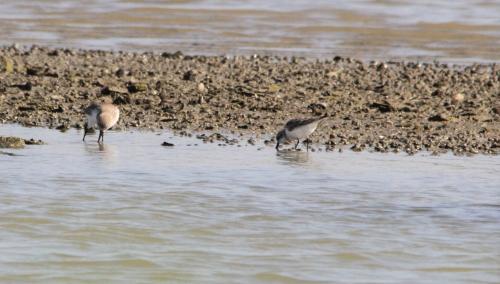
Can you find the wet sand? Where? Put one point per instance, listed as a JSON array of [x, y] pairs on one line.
[[384, 106], [460, 31]]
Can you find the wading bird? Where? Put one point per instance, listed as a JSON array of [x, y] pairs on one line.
[[104, 115], [296, 129]]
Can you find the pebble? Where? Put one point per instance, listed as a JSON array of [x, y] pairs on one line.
[[201, 88], [458, 98], [6, 64]]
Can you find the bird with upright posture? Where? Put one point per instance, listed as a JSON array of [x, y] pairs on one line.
[[296, 129], [104, 115]]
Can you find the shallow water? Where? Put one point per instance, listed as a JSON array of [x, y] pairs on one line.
[[453, 31], [136, 212]]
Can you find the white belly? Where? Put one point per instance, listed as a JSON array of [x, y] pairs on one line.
[[92, 120], [301, 132]]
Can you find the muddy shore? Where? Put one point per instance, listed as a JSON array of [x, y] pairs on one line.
[[383, 106]]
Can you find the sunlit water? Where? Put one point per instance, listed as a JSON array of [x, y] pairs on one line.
[[454, 31], [136, 212]]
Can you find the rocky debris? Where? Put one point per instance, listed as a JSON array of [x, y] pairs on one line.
[[6, 64], [135, 87], [317, 108], [24, 87], [217, 137], [384, 106], [189, 76], [358, 147], [18, 143], [175, 55], [34, 70], [11, 142], [439, 117], [167, 144], [496, 109], [34, 142], [63, 127], [120, 72], [114, 90]]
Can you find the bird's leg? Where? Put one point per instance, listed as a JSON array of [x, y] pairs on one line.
[[296, 145], [307, 145], [85, 130], [101, 136]]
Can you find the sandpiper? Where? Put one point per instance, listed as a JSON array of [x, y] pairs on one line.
[[296, 129], [105, 115]]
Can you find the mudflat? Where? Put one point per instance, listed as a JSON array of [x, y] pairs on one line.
[[383, 106]]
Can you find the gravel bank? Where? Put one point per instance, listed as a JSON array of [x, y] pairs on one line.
[[384, 106]]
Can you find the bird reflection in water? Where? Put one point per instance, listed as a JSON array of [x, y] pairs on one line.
[[102, 148], [105, 151], [293, 157]]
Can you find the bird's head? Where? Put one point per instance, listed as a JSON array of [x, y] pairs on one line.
[[280, 138]]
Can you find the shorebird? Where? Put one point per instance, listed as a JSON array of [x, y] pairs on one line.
[[296, 129], [105, 115]]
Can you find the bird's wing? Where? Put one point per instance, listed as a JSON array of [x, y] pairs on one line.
[[294, 123], [93, 107]]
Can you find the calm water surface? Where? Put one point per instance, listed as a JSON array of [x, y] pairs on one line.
[[455, 31], [136, 212]]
